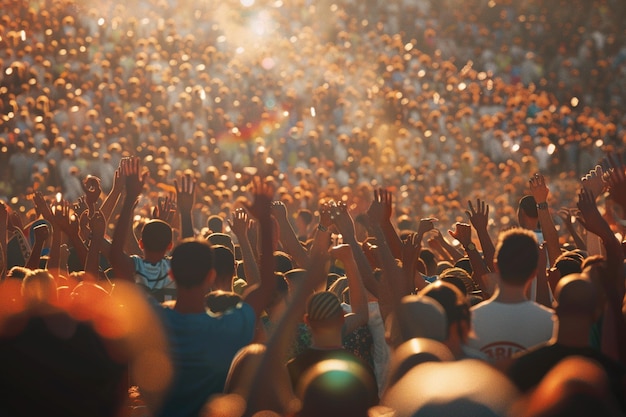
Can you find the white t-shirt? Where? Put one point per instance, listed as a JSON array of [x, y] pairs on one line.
[[502, 329]]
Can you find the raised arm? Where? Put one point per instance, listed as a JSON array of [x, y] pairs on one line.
[[259, 296], [92, 264], [479, 218], [184, 202], [41, 235], [566, 215], [240, 225], [110, 202], [383, 199], [358, 295], [54, 257], [540, 191], [288, 237], [133, 179], [614, 325], [463, 233], [4, 227]]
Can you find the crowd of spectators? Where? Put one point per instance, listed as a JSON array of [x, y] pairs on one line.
[[238, 206], [442, 101]]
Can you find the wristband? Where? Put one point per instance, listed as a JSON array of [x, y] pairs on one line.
[[322, 228], [542, 206]]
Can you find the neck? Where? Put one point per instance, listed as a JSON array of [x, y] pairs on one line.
[[573, 331], [510, 294], [153, 257], [190, 301], [326, 339]]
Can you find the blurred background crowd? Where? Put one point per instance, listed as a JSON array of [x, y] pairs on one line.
[[439, 101]]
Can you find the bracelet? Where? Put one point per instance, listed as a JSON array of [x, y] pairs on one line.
[[322, 228], [542, 206]]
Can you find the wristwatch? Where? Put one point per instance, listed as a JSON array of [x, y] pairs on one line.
[[542, 206], [470, 246]]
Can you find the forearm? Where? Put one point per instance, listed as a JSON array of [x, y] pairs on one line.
[[452, 252], [550, 235], [487, 246], [109, 203], [250, 266], [34, 259], [54, 257], [392, 238], [92, 263], [291, 244], [186, 225], [365, 269]]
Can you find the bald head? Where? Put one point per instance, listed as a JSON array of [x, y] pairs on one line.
[[576, 295]]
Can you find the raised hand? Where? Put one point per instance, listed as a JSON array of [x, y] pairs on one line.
[[380, 209], [479, 216], [342, 252], [538, 188], [462, 232], [240, 223], [325, 220], [185, 193], [263, 193], [65, 219], [164, 209], [42, 207], [590, 216], [426, 225], [279, 210], [616, 180], [132, 177], [92, 190], [593, 181], [342, 220]]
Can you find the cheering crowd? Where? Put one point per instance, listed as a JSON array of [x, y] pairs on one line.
[[203, 203]]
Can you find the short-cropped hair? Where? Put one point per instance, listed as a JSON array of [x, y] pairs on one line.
[[517, 255], [192, 260], [156, 236]]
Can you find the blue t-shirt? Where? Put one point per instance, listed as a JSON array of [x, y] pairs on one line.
[[202, 347]]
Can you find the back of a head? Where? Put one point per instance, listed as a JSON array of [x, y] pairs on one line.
[[323, 308], [156, 236], [192, 260], [337, 388], [283, 262], [39, 286], [215, 224], [421, 317], [222, 239], [414, 352], [569, 263], [224, 261], [305, 215], [451, 299], [527, 206], [517, 255], [576, 295], [469, 387], [429, 259]]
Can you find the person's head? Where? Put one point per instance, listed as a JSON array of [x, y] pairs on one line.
[[569, 263], [192, 264], [215, 224], [39, 286], [323, 311], [527, 215], [457, 311], [576, 296], [337, 388], [221, 239], [224, 262], [430, 260], [517, 255], [283, 262], [156, 236]]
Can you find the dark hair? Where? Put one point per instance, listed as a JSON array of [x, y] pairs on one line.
[[191, 262], [528, 205], [451, 299], [569, 263], [517, 255], [224, 262], [283, 262], [215, 224], [156, 236], [428, 257]]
